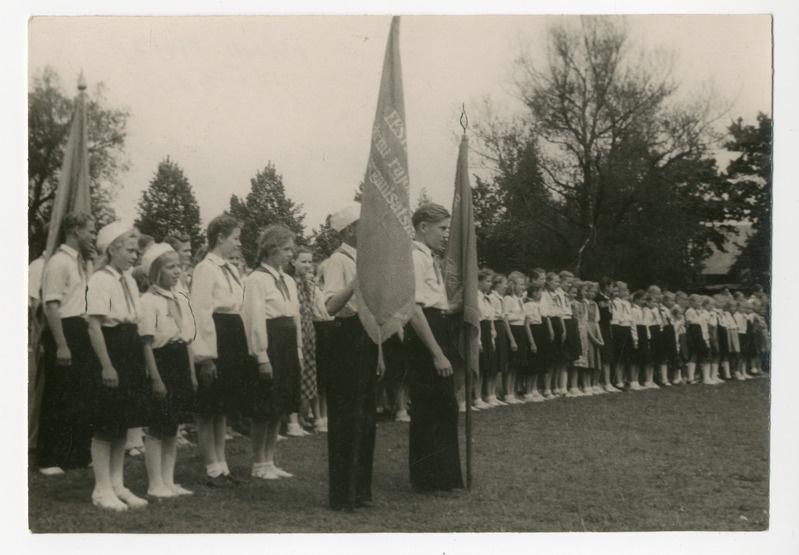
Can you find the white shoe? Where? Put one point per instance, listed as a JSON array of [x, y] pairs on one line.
[[162, 493], [609, 388], [295, 430], [180, 490], [52, 471], [480, 404], [264, 473], [597, 389], [109, 501], [635, 386], [130, 499], [281, 437], [279, 471], [538, 398], [320, 426], [492, 402], [402, 416]]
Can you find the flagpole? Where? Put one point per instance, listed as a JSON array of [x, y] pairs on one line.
[[464, 121]]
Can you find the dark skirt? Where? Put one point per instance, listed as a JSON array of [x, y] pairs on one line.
[[280, 394], [697, 348], [572, 346], [64, 436], [747, 345], [656, 347], [518, 358], [643, 354], [723, 340], [225, 394], [502, 345], [607, 337], [713, 336], [555, 347], [324, 351], [536, 362], [125, 406], [433, 454], [623, 352], [488, 363], [668, 341], [177, 407], [682, 340]]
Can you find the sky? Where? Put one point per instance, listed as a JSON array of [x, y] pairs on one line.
[[225, 96]]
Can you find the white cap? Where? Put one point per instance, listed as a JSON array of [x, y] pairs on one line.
[[108, 234], [152, 254], [347, 215]]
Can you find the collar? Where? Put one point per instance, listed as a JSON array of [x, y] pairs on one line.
[[66, 249], [422, 247], [169, 294], [113, 271], [348, 249], [277, 274], [216, 259]]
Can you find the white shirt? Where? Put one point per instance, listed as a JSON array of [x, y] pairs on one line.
[[431, 291], [215, 287], [532, 310], [65, 281], [341, 269], [486, 308], [35, 270], [319, 309], [565, 304], [513, 306], [156, 321], [106, 297], [496, 304], [264, 301]]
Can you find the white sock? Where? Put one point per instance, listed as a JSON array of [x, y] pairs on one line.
[[223, 468], [213, 470]]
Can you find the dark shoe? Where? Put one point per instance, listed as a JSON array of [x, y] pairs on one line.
[[233, 479], [220, 481]]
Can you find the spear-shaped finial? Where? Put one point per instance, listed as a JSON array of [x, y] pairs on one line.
[[464, 119]]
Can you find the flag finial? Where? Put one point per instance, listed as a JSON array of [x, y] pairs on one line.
[[464, 119], [81, 82]]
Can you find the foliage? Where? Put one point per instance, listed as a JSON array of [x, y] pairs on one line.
[[602, 165], [49, 115], [266, 204], [748, 191], [324, 240], [168, 206]]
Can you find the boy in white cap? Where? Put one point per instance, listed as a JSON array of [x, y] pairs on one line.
[[64, 430], [352, 379]]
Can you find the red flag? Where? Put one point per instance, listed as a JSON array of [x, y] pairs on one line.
[[72, 194], [386, 285], [460, 260]]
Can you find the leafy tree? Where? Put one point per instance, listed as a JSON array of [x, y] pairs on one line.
[[748, 195], [324, 240], [422, 198], [264, 205], [50, 111], [168, 205], [606, 159]]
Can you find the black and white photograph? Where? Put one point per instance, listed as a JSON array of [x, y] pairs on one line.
[[474, 274]]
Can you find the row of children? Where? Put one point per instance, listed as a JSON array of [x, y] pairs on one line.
[[216, 344], [115, 359], [549, 334]]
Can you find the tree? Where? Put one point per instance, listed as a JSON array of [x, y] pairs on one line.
[[605, 159], [422, 198], [168, 206], [324, 240], [265, 204], [49, 113], [748, 194]]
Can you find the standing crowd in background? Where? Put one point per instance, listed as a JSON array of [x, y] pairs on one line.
[[137, 341]]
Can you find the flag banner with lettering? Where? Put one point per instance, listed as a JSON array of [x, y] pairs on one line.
[[386, 288], [72, 194], [460, 260]]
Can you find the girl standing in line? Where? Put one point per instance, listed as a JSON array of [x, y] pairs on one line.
[[513, 307], [113, 308], [167, 329], [499, 285], [323, 324], [539, 337], [595, 341], [557, 362], [220, 348], [698, 340], [488, 336], [271, 314], [579, 366], [604, 302], [712, 319]]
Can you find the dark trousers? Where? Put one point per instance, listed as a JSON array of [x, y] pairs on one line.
[[64, 437], [351, 414], [433, 455]]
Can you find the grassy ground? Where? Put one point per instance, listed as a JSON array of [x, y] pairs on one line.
[[683, 458]]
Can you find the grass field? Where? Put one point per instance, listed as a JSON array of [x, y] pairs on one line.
[[683, 458]]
